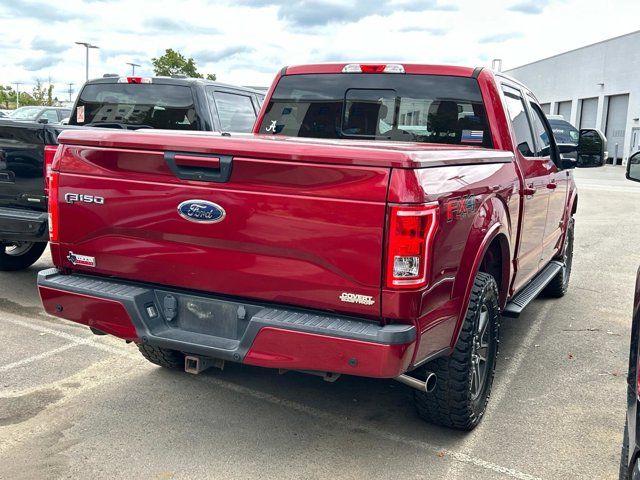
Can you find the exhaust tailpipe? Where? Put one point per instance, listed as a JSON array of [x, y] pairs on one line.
[[427, 385]]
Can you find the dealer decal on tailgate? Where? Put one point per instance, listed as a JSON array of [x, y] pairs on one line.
[[82, 260]]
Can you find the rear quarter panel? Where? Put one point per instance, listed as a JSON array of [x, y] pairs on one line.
[[478, 203]]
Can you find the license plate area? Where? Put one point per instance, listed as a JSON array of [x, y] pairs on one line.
[[207, 316]]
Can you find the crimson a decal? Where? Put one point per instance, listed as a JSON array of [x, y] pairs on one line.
[[460, 207]]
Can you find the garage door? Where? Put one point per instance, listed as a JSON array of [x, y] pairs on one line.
[[588, 113], [564, 109], [616, 123]]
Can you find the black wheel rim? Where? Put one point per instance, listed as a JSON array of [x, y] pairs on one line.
[[480, 353], [17, 249]]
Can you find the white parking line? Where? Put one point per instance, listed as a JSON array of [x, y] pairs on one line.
[[38, 327], [322, 415], [40, 356], [608, 188], [503, 383], [299, 407]]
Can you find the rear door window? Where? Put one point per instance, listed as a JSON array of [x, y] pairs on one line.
[[137, 106], [520, 123], [62, 114], [235, 111], [541, 133], [414, 108], [50, 115]]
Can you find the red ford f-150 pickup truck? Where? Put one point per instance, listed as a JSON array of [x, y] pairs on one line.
[[377, 223]]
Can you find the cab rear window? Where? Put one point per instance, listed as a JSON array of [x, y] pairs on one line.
[[136, 106], [413, 108]]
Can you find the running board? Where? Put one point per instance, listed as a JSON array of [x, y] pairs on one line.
[[532, 290]]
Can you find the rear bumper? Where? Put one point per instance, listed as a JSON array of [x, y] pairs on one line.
[[236, 330], [18, 224]]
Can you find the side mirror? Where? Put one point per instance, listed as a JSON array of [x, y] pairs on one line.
[[43, 120], [633, 167], [592, 145], [568, 155]]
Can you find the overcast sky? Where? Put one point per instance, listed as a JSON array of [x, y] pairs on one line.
[[247, 41]]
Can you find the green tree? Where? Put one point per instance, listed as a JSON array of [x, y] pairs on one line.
[[26, 99], [7, 95], [8, 98], [42, 95], [174, 63], [39, 93]]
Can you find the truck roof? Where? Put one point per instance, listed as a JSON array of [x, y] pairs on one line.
[[410, 68], [185, 81]]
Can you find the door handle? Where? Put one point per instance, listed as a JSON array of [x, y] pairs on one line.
[[204, 168], [528, 191], [552, 185]]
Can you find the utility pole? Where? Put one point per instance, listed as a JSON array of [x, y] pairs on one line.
[[17, 84], [87, 46], [71, 84], [133, 67]]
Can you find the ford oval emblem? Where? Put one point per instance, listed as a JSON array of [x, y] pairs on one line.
[[201, 211]]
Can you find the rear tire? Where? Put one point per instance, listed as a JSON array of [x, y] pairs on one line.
[[560, 283], [464, 381], [20, 255], [163, 356]]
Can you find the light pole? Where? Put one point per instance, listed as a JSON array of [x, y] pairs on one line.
[[71, 84], [133, 67], [17, 84], [87, 46]]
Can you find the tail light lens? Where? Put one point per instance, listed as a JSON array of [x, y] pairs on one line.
[[373, 68], [411, 233], [49, 153], [54, 207], [135, 80]]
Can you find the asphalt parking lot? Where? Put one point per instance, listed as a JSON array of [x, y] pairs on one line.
[[73, 405]]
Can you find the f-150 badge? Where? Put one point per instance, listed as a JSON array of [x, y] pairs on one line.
[[80, 197], [82, 260], [354, 298]]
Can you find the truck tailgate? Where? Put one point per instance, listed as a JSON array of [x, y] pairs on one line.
[[294, 231]]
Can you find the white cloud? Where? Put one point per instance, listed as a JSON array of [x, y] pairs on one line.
[[247, 41]]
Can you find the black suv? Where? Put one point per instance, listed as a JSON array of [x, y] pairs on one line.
[[27, 147]]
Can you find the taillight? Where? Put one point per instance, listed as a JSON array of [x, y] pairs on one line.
[[134, 80], [54, 207], [49, 153], [411, 232], [373, 68]]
